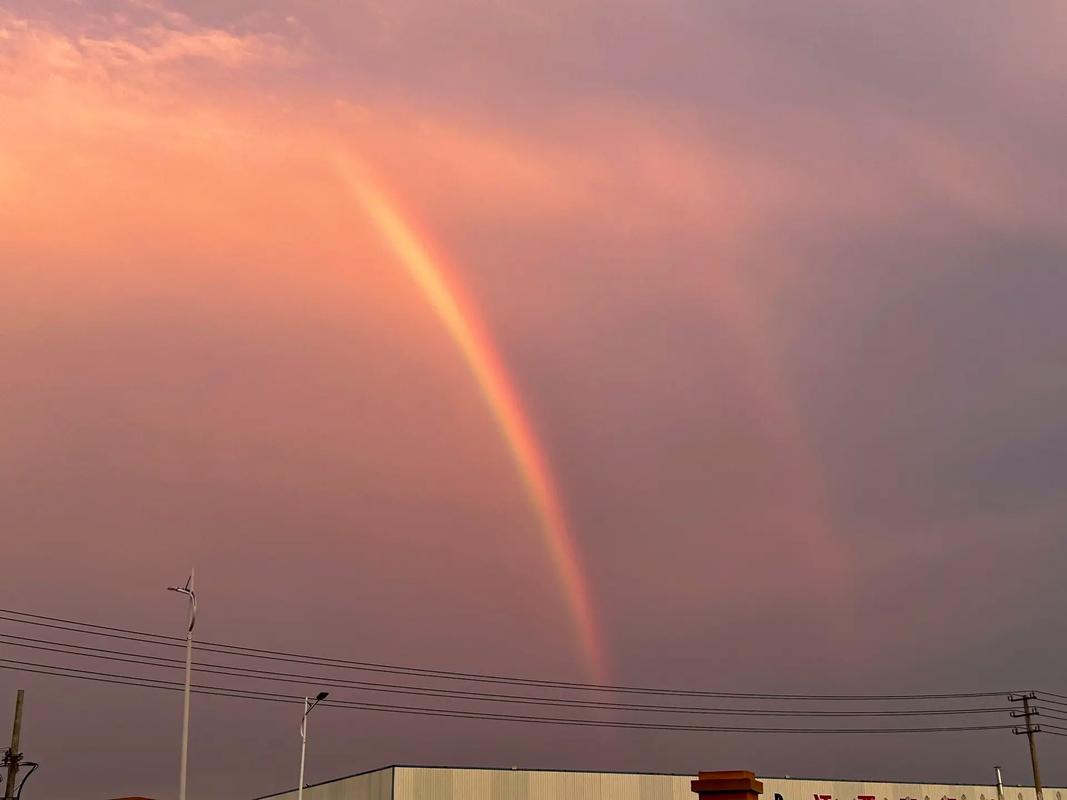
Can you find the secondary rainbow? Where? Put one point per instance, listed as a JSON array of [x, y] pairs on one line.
[[445, 295]]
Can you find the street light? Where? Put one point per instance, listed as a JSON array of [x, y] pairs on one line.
[[189, 592], [308, 705]]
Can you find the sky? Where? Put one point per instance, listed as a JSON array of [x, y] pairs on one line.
[[773, 291]]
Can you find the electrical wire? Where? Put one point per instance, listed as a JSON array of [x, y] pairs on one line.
[[288, 677], [154, 683], [290, 657], [33, 765], [1048, 715]]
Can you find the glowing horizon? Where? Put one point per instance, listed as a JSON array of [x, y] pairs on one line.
[[445, 296]]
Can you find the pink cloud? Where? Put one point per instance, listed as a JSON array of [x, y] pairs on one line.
[[125, 50]]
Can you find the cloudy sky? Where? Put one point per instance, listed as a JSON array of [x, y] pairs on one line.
[[778, 287]]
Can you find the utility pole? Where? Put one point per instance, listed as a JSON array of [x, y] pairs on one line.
[[13, 756], [1000, 785], [1029, 730]]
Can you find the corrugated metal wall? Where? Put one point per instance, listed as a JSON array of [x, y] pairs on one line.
[[445, 783], [424, 783], [442, 783], [377, 785]]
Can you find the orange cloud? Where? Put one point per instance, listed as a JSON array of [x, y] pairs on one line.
[[97, 117], [118, 49]]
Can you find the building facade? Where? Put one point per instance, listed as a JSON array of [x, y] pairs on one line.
[[454, 783]]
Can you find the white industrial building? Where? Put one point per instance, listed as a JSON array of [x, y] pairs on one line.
[[455, 783]]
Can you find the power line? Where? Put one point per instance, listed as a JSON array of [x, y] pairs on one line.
[[153, 683], [290, 657], [288, 677], [1048, 715]]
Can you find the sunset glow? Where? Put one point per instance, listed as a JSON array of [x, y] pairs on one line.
[[484, 350]]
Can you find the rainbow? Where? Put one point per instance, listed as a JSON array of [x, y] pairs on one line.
[[805, 494], [443, 292]]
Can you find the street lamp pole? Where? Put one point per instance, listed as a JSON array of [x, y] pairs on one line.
[[189, 591], [308, 705]]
